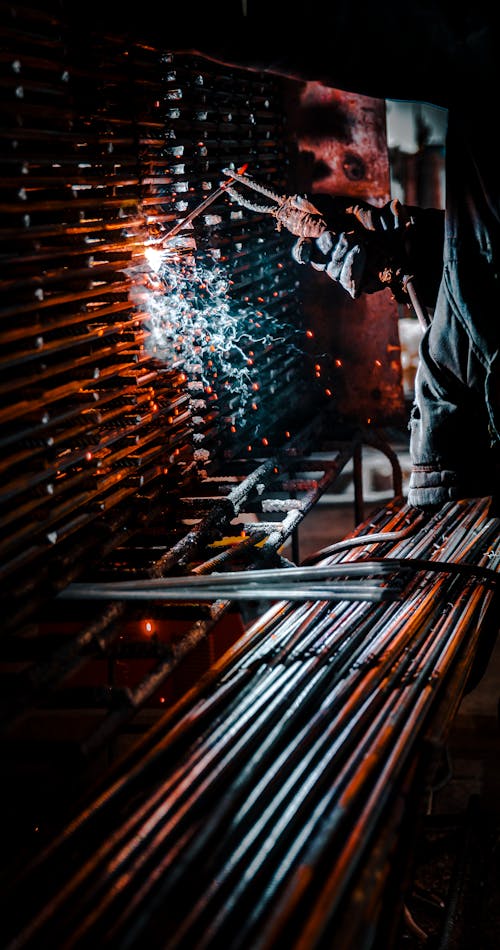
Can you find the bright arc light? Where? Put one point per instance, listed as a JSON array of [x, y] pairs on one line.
[[154, 257]]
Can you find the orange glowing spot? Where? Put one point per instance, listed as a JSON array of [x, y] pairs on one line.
[[265, 441], [328, 392], [338, 362], [309, 333], [233, 428], [368, 420], [378, 363], [249, 448], [318, 375], [88, 456], [165, 471], [280, 266], [254, 405], [260, 299], [249, 362], [162, 699], [149, 626], [255, 386], [251, 353], [210, 362], [208, 389], [275, 470], [317, 367], [287, 434], [275, 293]]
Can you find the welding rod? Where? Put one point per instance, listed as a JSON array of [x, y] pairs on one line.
[[201, 207]]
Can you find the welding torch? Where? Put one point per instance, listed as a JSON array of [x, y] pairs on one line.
[[281, 205], [203, 204]]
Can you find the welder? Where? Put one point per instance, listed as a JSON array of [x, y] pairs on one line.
[[445, 55]]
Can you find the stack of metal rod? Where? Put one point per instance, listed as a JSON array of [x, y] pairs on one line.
[[277, 803], [106, 144]]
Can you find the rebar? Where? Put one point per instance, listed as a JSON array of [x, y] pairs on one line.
[[257, 833]]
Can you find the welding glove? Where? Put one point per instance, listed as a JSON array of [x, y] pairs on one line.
[[353, 243], [365, 248]]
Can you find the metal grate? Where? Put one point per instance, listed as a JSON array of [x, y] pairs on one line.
[[105, 146], [161, 413]]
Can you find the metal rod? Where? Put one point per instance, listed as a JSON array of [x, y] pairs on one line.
[[277, 591], [328, 711], [201, 207], [421, 312]]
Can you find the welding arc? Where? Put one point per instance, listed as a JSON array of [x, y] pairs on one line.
[[201, 207]]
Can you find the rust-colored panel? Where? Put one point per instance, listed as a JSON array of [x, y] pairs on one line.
[[342, 147]]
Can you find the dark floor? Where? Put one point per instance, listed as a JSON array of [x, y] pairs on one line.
[[455, 904], [456, 900]]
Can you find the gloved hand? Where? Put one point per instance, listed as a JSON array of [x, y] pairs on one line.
[[360, 246], [363, 248], [299, 216], [390, 217]]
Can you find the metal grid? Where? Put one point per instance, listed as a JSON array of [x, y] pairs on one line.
[[120, 453], [99, 423]]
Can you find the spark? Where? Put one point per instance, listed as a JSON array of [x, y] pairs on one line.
[[195, 325], [220, 345]]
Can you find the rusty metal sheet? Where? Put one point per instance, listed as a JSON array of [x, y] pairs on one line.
[[342, 150]]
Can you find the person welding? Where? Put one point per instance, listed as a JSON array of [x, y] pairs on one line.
[[447, 56]]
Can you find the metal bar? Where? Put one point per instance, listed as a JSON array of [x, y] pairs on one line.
[[408, 653], [347, 591]]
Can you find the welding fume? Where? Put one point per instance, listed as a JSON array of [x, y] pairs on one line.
[[447, 57]]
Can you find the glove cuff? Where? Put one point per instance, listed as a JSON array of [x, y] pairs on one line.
[[432, 487]]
